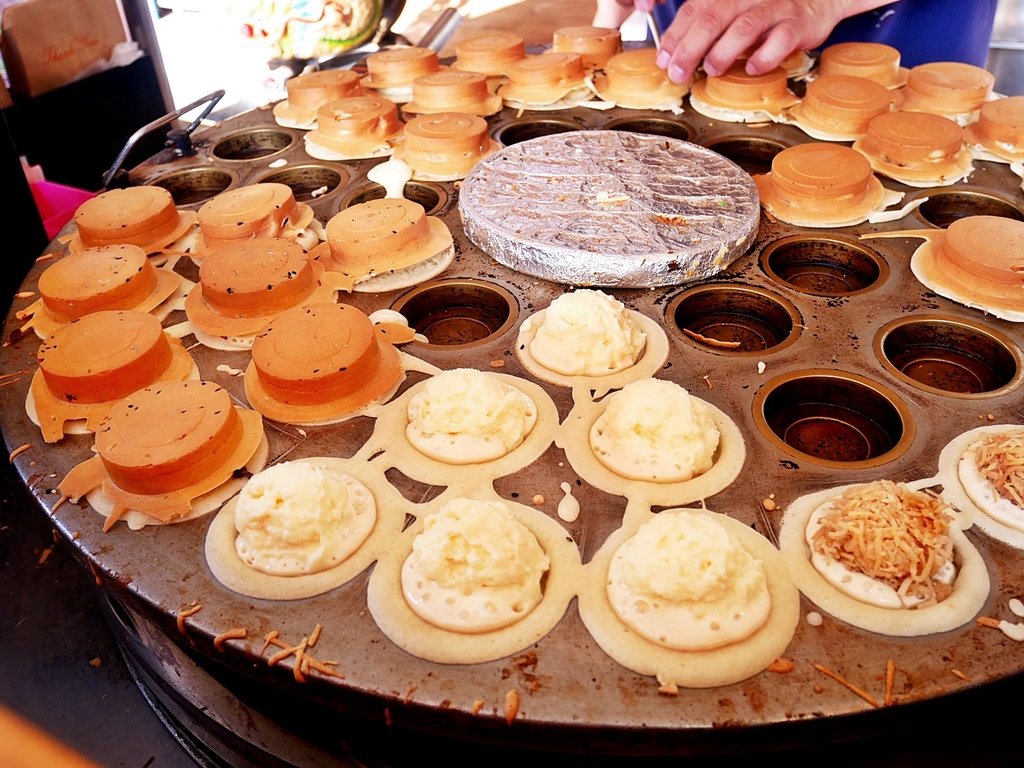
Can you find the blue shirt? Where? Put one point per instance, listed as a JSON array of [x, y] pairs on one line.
[[921, 30]]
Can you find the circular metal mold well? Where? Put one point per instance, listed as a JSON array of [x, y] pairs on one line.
[[824, 265], [307, 182], [655, 126], [944, 206], [432, 197], [834, 418], [753, 154], [251, 145], [524, 130], [196, 185], [948, 355], [458, 313], [734, 319]]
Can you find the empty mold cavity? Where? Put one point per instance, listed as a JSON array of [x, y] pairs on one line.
[[753, 155], [252, 145], [459, 313], [307, 182], [733, 318], [944, 206], [430, 196], [523, 130], [654, 126], [823, 266], [833, 418], [948, 355], [195, 185]]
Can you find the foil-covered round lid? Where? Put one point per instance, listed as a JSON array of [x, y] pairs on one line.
[[610, 208]]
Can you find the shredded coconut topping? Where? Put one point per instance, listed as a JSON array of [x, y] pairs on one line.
[[1000, 460], [890, 533]]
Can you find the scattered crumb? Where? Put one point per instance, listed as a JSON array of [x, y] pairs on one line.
[[890, 678], [961, 675], [24, 294], [316, 634], [278, 163], [707, 380], [301, 431], [987, 621], [990, 417], [1016, 606], [669, 689], [511, 705], [184, 614], [224, 368], [535, 686], [769, 505], [46, 553], [18, 451], [814, 619], [408, 693], [761, 367], [387, 716], [235, 633], [95, 662], [781, 665], [537, 500], [847, 684], [497, 363], [75, 535], [319, 191], [477, 706], [818, 689]]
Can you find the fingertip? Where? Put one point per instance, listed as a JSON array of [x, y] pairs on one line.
[[663, 59], [677, 74], [711, 69]]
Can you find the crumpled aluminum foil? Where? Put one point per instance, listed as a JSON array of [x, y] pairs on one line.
[[610, 208]]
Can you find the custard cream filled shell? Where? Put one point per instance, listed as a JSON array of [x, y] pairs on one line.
[[445, 145], [87, 365], [310, 91], [243, 285], [104, 278], [596, 45], [453, 91], [355, 126], [320, 363], [256, 210], [841, 105], [736, 90], [144, 216], [490, 54], [820, 184], [1000, 128], [380, 236], [544, 79], [946, 88], [398, 67], [978, 260], [633, 80], [873, 61]]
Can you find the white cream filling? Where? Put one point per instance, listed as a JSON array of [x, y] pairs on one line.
[[684, 583], [465, 416], [474, 568], [294, 518], [587, 333], [654, 430]]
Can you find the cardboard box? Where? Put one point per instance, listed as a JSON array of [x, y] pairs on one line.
[[48, 43]]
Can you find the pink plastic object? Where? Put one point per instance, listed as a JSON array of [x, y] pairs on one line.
[[57, 203]]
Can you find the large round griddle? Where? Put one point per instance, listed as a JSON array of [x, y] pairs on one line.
[[572, 696]]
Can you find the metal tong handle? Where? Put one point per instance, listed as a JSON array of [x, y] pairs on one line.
[[210, 99]]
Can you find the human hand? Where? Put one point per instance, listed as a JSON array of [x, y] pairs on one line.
[[720, 31]]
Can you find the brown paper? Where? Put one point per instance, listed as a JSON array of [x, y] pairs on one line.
[[48, 43]]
